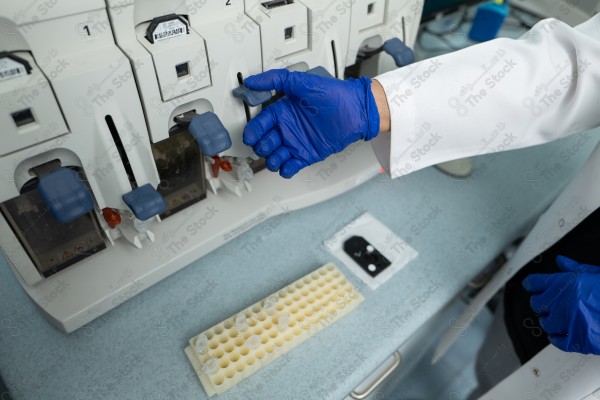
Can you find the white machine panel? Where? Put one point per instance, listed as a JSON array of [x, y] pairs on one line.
[[114, 174], [20, 13], [375, 21], [287, 25], [180, 60], [30, 113], [369, 13]]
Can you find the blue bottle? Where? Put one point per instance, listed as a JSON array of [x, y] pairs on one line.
[[488, 20]]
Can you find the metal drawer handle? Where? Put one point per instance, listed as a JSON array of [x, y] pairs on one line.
[[379, 380]]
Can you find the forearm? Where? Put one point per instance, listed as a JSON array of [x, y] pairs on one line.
[[382, 106]]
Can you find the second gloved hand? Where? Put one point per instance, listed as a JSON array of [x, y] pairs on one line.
[[568, 305], [317, 117]]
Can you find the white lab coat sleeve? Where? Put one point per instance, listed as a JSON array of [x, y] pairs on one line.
[[499, 95]]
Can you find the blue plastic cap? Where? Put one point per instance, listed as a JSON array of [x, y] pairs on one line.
[[145, 202], [321, 71], [210, 133], [488, 21], [252, 97], [401, 53], [65, 194]]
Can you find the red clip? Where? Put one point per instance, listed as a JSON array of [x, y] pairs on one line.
[[220, 164], [112, 217]]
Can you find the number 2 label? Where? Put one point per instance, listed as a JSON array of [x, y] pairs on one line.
[[228, 3]]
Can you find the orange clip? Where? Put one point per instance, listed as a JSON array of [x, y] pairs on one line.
[[220, 164], [112, 217]]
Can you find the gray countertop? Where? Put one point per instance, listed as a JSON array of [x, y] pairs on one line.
[[136, 350]]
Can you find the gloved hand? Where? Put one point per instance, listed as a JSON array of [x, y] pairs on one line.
[[317, 117], [568, 305]]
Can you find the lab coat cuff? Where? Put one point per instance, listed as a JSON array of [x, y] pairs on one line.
[[403, 111]]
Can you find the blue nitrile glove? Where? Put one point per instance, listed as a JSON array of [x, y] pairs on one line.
[[318, 117], [569, 305]]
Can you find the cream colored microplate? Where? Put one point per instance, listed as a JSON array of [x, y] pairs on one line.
[[234, 349]]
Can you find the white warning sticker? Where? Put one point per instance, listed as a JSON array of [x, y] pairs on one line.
[[10, 69], [169, 29]]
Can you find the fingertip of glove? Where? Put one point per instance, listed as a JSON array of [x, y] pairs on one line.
[[536, 303], [536, 283], [251, 81], [249, 136], [564, 259], [273, 163], [287, 173], [526, 283], [566, 263], [269, 80], [270, 166], [291, 168], [262, 149]]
